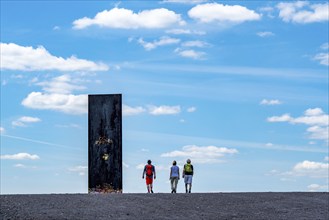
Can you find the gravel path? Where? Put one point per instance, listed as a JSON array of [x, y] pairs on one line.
[[167, 206]]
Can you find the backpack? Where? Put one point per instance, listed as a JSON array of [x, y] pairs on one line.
[[188, 168], [149, 170]]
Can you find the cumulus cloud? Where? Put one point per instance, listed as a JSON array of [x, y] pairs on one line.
[[63, 84], [128, 110], [323, 57], [201, 154], [196, 55], [316, 187], [151, 109], [165, 40], [57, 96], [306, 168], [270, 102], [314, 117], [2, 130], [81, 170], [312, 169], [66, 103], [223, 14], [20, 156], [126, 19], [23, 121], [303, 12], [16, 57], [265, 34], [164, 110]]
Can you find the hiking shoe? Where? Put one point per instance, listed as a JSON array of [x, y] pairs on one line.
[[189, 191], [151, 191]]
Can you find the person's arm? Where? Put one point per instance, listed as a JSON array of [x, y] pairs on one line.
[[154, 172], [178, 172], [192, 170], [144, 172], [183, 171], [170, 174]]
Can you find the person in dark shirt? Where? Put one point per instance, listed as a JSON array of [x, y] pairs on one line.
[[188, 175], [149, 171]]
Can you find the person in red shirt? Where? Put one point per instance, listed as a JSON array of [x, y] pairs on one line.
[[149, 172]]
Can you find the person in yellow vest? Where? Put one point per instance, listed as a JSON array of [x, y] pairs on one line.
[[188, 175]]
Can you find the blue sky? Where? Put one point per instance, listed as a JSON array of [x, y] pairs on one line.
[[239, 87]]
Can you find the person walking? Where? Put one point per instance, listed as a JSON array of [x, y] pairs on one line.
[[149, 171], [174, 177], [187, 175]]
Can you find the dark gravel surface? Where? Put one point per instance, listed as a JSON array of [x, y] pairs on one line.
[[167, 206]]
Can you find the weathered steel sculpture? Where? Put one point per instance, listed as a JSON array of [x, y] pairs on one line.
[[105, 143]]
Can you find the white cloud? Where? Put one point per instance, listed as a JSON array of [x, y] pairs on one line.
[[2, 130], [314, 112], [318, 133], [185, 31], [20, 156], [164, 110], [265, 34], [57, 96], [19, 165], [270, 102], [128, 110], [316, 187], [282, 118], [61, 85], [323, 58], [67, 103], [195, 43], [326, 158], [303, 12], [165, 40], [16, 57], [267, 11], [190, 54], [126, 19], [315, 118], [311, 169], [191, 109], [23, 121], [219, 13], [81, 170], [202, 154]]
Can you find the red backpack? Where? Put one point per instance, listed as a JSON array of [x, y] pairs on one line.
[[149, 170]]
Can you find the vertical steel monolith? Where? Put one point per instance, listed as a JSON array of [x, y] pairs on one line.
[[105, 143]]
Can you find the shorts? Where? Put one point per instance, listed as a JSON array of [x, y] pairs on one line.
[[188, 179], [149, 180]]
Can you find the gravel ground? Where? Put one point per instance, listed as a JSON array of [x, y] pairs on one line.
[[167, 206]]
